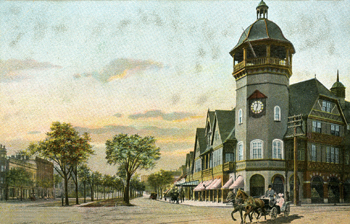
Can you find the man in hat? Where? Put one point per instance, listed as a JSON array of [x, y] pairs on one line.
[[270, 194]]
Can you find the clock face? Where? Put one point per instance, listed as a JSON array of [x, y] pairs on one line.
[[257, 107]]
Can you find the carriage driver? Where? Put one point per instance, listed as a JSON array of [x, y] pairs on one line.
[[270, 194]]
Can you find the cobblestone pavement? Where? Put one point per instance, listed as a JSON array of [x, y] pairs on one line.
[[154, 211]]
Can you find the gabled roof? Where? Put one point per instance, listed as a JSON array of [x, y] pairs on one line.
[[303, 95], [226, 123], [200, 137]]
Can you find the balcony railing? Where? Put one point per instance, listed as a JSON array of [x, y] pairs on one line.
[[260, 61]]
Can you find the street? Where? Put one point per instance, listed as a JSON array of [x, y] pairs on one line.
[[152, 211]]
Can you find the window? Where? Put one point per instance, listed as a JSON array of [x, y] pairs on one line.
[[328, 156], [277, 111], [347, 158], [3, 168], [256, 149], [316, 126], [217, 157], [198, 165], [211, 160], [336, 155], [335, 129], [240, 116], [228, 157], [332, 155], [240, 151], [313, 153], [277, 149], [326, 106]]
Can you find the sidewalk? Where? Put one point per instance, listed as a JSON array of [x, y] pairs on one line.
[[196, 203]]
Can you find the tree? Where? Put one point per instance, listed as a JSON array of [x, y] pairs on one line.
[[84, 176], [65, 147], [131, 153], [20, 178], [160, 180]]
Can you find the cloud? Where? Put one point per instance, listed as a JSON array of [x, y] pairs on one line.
[[111, 130], [117, 115], [33, 132], [159, 114], [10, 69], [121, 68]]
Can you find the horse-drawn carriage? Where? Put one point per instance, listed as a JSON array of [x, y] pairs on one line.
[[259, 206], [276, 207]]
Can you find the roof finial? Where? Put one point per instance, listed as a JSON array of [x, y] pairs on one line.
[[337, 75], [261, 10]]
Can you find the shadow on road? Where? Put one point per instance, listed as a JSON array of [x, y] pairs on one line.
[[280, 219]]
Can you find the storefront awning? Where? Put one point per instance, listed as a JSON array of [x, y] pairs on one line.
[[203, 185], [228, 183], [239, 183], [189, 184], [216, 184]]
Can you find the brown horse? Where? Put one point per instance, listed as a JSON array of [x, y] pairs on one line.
[[251, 205]]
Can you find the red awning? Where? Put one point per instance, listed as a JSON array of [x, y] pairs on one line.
[[215, 184], [239, 183], [228, 183]]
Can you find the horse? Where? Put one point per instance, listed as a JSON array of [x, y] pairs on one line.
[[237, 206], [251, 205]]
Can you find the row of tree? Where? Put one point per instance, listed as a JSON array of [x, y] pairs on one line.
[[69, 151]]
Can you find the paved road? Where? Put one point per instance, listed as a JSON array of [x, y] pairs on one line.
[[150, 211]]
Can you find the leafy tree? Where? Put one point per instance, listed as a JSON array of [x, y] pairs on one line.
[[20, 178], [131, 153], [160, 180], [97, 179], [86, 151], [84, 176], [65, 147]]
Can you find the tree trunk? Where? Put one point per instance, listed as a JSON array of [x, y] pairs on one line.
[[66, 188], [84, 192], [21, 189], [126, 191], [104, 192], [92, 191], [75, 170]]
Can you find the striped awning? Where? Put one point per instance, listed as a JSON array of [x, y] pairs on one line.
[[239, 183], [228, 183], [216, 184], [203, 185]]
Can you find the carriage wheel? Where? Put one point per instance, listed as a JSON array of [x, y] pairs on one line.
[[287, 210], [273, 213]]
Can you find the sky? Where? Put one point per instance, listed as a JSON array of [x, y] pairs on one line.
[[145, 67]]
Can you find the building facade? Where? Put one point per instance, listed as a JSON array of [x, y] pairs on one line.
[[39, 170], [252, 145]]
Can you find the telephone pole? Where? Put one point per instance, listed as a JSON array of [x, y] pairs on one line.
[[295, 122]]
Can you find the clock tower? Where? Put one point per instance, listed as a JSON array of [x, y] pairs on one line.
[[262, 66]]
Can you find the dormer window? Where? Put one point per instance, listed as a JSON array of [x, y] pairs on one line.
[[326, 106]]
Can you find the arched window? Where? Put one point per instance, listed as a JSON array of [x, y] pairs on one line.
[[277, 112], [240, 116], [277, 149], [240, 151], [256, 149]]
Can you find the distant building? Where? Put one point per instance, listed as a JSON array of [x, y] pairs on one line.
[[41, 172]]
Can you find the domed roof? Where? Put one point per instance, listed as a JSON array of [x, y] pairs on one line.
[[337, 85], [262, 29]]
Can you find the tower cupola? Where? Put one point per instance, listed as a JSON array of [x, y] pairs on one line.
[[262, 47], [261, 10], [338, 89]]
